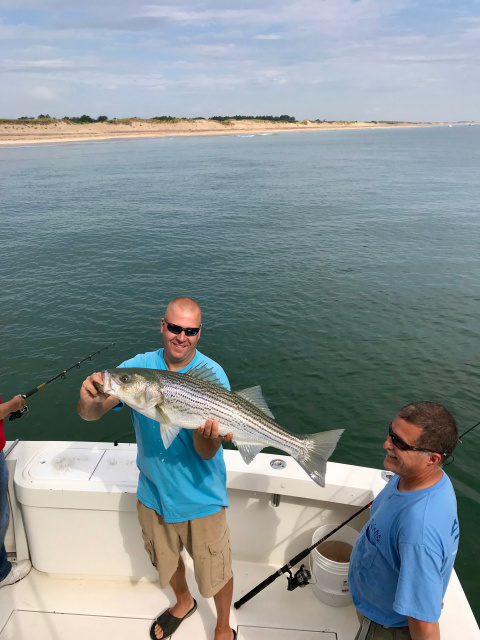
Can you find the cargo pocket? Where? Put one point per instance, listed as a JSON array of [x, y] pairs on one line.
[[149, 548], [220, 560]]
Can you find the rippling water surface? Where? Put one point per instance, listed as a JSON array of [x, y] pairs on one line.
[[338, 270]]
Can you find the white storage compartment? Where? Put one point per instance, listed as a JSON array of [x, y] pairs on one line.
[[79, 507]]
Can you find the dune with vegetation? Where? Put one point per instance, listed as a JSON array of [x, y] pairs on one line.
[[48, 130]]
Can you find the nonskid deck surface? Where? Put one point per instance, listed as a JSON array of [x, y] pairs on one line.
[[52, 608]]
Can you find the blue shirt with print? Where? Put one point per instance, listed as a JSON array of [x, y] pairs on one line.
[[176, 482], [403, 557]]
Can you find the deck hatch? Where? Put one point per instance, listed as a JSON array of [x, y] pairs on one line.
[[55, 626], [271, 633], [65, 464]]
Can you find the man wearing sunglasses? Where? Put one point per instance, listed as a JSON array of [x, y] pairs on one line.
[[181, 491], [403, 557]]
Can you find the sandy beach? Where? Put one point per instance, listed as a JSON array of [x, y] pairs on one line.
[[14, 132]]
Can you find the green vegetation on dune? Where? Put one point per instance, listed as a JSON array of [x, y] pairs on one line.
[[46, 119], [86, 119], [283, 118], [170, 118], [26, 120], [225, 120]]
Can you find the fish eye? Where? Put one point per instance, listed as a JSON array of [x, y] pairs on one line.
[[125, 378]]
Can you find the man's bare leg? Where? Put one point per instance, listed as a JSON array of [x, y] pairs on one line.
[[223, 602], [184, 597]]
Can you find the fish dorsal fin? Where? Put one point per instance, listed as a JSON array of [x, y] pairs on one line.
[[168, 433], [202, 372], [255, 396], [249, 451]]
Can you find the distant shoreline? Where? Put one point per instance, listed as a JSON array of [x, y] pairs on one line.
[[36, 132]]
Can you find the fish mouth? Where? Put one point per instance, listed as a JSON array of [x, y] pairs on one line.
[[110, 386]]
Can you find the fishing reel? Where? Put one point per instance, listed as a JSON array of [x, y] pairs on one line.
[[18, 414], [300, 579]]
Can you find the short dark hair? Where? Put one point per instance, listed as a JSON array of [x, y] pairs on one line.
[[439, 427]]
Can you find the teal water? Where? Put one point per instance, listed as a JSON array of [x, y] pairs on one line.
[[338, 270]]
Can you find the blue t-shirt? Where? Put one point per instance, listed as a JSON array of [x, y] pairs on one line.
[[176, 482], [403, 557]]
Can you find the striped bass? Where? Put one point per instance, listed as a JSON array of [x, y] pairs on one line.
[[186, 400]]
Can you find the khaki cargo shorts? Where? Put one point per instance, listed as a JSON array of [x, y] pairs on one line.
[[370, 630], [207, 541]]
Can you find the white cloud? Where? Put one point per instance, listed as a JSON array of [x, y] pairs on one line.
[[37, 50], [235, 16], [18, 66], [44, 93], [54, 64], [215, 50]]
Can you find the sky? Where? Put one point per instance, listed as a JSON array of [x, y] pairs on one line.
[[412, 60]]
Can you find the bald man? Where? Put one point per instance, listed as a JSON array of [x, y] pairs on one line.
[[181, 492]]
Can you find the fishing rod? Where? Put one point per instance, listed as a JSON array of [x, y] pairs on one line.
[[300, 579], [18, 414], [459, 440], [467, 431]]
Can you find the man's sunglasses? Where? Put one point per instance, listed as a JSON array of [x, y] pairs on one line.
[[398, 443], [177, 330]]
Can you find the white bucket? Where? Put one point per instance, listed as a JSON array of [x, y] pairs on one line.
[[331, 577]]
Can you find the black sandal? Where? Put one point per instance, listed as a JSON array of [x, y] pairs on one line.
[[169, 623]]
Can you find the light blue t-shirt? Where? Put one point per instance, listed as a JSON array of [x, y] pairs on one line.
[[176, 482], [403, 557]]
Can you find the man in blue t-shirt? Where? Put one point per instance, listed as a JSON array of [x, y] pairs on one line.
[[403, 557], [181, 491]]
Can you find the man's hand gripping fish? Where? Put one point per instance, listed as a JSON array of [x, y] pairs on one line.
[[186, 400]]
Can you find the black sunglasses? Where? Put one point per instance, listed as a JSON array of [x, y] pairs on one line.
[[398, 443], [177, 330]]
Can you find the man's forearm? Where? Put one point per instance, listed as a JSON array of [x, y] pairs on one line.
[[91, 411], [11, 405], [420, 630]]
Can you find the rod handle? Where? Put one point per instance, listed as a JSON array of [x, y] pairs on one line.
[[260, 587], [31, 392]]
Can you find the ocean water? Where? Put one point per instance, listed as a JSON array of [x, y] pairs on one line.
[[339, 270]]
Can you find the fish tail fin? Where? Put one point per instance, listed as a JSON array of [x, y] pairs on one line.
[[318, 447]]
